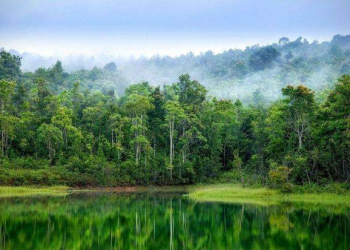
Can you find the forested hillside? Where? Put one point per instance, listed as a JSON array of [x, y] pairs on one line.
[[237, 74], [233, 74], [57, 129]]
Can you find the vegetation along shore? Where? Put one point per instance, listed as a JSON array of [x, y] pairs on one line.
[[58, 131]]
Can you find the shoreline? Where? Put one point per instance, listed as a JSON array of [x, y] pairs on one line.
[[226, 193], [18, 191], [233, 193]]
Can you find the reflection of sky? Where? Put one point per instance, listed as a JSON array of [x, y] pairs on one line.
[[164, 26]]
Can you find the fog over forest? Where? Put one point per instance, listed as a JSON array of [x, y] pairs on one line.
[[187, 124], [232, 74]]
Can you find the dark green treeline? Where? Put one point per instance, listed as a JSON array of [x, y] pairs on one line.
[[54, 131]]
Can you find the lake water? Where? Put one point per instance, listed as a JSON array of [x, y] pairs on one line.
[[166, 221]]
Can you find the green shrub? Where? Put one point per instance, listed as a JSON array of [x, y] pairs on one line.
[[279, 176], [287, 188], [338, 188]]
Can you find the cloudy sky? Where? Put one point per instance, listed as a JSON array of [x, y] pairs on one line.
[[147, 27]]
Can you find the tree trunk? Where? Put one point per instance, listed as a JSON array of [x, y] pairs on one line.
[[2, 130], [171, 155]]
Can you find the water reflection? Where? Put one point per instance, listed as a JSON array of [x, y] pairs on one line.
[[166, 221]]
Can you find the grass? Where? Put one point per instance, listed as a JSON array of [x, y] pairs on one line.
[[6, 191], [11, 191], [234, 193]]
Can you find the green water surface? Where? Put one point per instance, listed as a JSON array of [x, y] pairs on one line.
[[166, 221]]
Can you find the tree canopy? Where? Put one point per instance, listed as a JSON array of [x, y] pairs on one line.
[[56, 132]]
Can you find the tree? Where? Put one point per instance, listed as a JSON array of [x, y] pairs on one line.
[[9, 66], [283, 41], [237, 164], [300, 107], [21, 97], [174, 114], [263, 58], [112, 67], [156, 118], [76, 99], [333, 134], [117, 123], [260, 141], [6, 119], [276, 131], [94, 118], [212, 129], [57, 73], [225, 119], [143, 89], [138, 106], [6, 91], [191, 91], [51, 137], [7, 126], [43, 95], [62, 119], [279, 176]]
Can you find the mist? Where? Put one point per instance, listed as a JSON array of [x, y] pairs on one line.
[[232, 74]]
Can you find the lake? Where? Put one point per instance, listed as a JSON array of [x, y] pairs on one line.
[[93, 220]]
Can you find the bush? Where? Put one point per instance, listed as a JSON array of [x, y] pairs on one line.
[[333, 188], [338, 188], [230, 176], [279, 176], [287, 188]]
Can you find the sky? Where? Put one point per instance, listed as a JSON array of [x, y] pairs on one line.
[[164, 27]]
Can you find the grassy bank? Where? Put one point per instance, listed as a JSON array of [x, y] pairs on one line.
[[7, 191], [233, 193], [11, 191], [236, 194]]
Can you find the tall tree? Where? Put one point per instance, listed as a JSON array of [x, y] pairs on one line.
[[51, 137], [138, 106], [175, 115], [191, 91], [9, 66], [334, 133], [6, 119], [300, 108]]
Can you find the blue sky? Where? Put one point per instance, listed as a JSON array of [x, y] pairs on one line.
[[147, 27]]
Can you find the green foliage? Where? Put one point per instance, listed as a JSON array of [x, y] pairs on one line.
[[191, 92], [51, 137], [263, 58], [9, 66], [110, 67], [279, 177], [55, 132]]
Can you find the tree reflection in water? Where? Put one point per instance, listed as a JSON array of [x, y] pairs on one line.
[[166, 221]]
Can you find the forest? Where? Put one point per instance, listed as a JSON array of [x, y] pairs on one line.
[[232, 74], [57, 130]]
